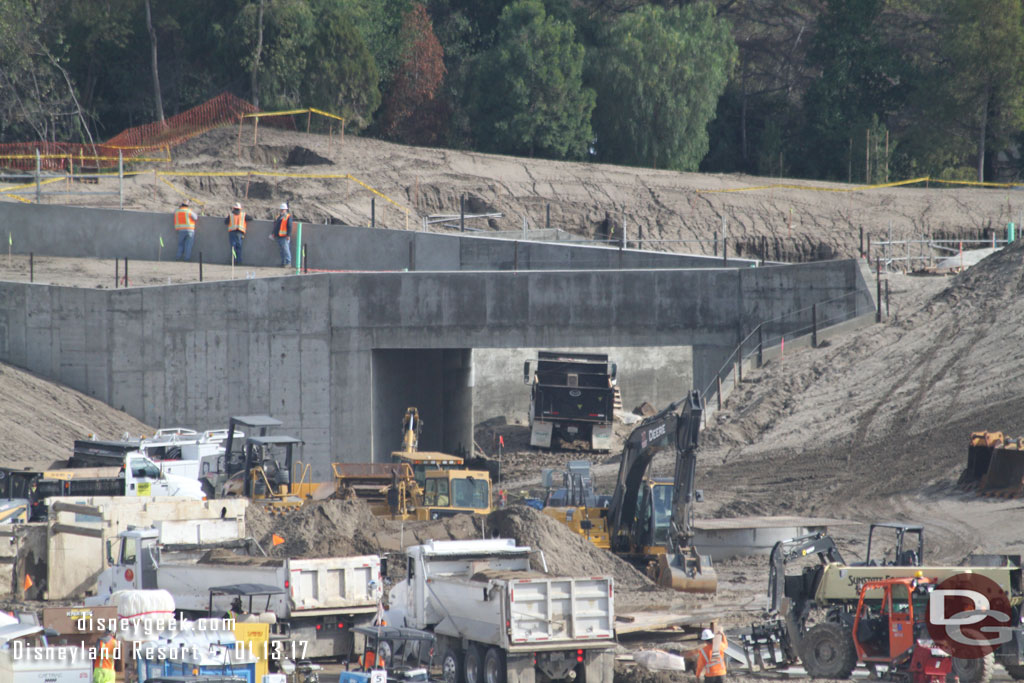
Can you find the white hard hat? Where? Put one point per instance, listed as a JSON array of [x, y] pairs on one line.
[[238, 205], [284, 206], [706, 634]]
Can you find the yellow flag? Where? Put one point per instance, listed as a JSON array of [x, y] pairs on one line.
[[161, 241], [234, 256], [276, 540], [28, 583]]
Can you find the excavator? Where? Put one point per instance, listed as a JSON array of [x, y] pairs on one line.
[[649, 521]]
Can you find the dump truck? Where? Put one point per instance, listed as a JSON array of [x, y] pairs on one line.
[[322, 599], [572, 398], [812, 610], [497, 620], [137, 476]]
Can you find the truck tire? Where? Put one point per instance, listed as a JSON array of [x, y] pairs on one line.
[[975, 670], [451, 667], [1016, 671], [494, 666], [473, 664], [827, 651]]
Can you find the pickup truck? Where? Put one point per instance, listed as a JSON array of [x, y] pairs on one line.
[[137, 476], [322, 599], [496, 620]]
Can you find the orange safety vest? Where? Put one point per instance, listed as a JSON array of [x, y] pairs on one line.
[[183, 219], [236, 222], [106, 654], [282, 225], [710, 661]]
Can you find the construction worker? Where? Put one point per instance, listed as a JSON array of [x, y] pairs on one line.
[[106, 652], [711, 657], [185, 227], [237, 223], [283, 225]]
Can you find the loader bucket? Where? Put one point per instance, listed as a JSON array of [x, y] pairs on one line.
[[686, 572], [1005, 477], [979, 456]]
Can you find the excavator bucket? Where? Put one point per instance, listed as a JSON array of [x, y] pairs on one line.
[[687, 572], [979, 456], [1005, 476]]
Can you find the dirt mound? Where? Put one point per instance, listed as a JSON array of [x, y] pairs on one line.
[[566, 553], [330, 528], [41, 420]]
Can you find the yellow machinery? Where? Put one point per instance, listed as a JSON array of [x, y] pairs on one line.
[[391, 489], [648, 522], [995, 465], [264, 480]]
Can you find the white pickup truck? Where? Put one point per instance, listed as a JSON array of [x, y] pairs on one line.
[[498, 621], [318, 603]]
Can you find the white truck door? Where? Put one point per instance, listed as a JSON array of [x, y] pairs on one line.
[[142, 478], [126, 574]]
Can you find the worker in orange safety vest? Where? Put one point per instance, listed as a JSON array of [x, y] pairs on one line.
[[283, 225], [236, 222], [107, 651], [711, 657], [185, 228]]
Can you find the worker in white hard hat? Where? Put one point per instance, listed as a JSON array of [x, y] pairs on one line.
[[185, 229], [283, 226], [237, 224], [711, 656]]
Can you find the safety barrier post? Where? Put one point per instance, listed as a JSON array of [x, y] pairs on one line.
[[814, 326], [31, 267], [862, 241], [867, 253], [887, 298], [412, 255], [462, 213], [120, 176], [718, 390], [760, 345], [117, 273], [299, 246], [38, 190], [373, 212], [878, 292], [515, 256], [200, 266], [125, 271], [547, 217]]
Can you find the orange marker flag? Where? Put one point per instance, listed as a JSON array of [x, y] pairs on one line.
[[276, 540], [28, 583], [501, 440]]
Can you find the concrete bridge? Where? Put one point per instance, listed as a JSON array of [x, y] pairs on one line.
[[338, 356]]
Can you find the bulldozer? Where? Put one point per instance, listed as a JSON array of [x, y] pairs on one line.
[[649, 520], [812, 611], [995, 465], [280, 484]]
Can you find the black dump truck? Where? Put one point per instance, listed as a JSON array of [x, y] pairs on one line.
[[572, 399]]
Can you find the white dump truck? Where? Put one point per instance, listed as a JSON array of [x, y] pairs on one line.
[[496, 620], [313, 603]]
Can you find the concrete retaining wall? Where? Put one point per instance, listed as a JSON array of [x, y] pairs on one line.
[[104, 233], [328, 354]]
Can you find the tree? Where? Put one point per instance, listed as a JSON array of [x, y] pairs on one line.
[[345, 80], [978, 82], [527, 95], [658, 82], [410, 110], [157, 97], [863, 79]]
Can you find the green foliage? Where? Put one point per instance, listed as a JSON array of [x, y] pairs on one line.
[[528, 95], [658, 82], [345, 79]]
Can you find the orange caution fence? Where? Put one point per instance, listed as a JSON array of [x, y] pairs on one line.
[[149, 142]]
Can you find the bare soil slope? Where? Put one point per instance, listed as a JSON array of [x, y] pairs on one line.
[[40, 420], [780, 219]]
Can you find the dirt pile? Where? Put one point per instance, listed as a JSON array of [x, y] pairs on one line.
[[329, 528], [41, 420], [566, 552]]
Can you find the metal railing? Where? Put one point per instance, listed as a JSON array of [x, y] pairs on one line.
[[773, 332]]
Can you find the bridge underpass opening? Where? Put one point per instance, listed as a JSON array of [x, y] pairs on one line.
[[438, 382]]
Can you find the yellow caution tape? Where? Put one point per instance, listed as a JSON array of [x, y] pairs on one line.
[[860, 188]]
